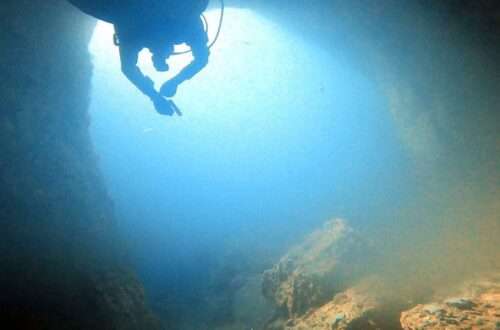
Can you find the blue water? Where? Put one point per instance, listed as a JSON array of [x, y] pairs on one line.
[[277, 136]]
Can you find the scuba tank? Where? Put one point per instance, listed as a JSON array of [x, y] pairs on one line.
[[104, 10], [174, 9], [192, 7], [113, 10]]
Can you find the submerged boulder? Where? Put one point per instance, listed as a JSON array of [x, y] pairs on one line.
[[328, 261], [351, 308]]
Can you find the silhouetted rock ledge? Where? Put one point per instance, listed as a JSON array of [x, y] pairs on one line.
[[329, 261]]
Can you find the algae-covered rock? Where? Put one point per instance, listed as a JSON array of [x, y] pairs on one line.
[[354, 306], [327, 262]]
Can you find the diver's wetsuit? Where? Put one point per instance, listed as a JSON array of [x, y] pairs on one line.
[[159, 36]]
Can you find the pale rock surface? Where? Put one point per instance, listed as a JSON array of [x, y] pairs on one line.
[[476, 306]]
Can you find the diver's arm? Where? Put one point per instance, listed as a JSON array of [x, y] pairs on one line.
[[200, 60], [201, 53]]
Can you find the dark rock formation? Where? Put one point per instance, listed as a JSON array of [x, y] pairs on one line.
[[474, 306], [61, 262]]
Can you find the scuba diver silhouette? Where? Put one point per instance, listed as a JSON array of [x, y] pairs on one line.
[[157, 26], [160, 37]]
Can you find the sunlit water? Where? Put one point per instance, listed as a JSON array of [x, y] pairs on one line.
[[276, 137]]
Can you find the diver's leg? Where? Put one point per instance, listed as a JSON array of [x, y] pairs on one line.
[[160, 56], [129, 56]]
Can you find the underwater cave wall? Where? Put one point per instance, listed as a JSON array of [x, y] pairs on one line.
[[59, 253], [436, 64], [438, 67]]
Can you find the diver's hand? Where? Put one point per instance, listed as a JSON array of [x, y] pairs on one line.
[[169, 88], [163, 106]]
